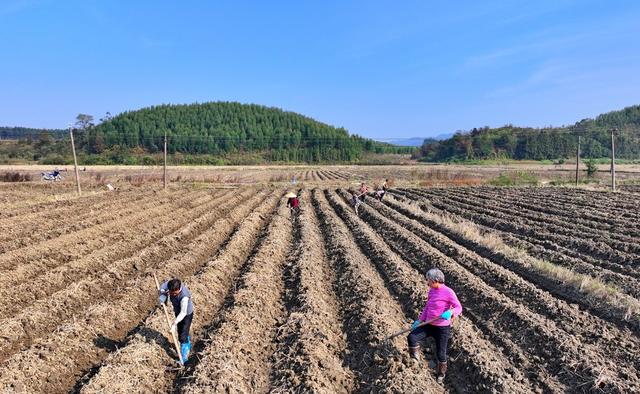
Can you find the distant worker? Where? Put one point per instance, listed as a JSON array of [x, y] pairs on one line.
[[382, 190], [182, 303], [293, 202], [355, 201], [435, 321], [363, 191]]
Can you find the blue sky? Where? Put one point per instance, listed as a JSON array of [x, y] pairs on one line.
[[378, 68]]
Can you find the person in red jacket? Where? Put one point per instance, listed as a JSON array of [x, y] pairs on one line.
[[293, 202]]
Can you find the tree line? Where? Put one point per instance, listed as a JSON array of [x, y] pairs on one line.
[[524, 143], [17, 133]]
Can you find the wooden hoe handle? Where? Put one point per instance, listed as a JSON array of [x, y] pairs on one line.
[[166, 314]]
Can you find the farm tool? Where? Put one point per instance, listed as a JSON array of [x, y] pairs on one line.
[[166, 315]]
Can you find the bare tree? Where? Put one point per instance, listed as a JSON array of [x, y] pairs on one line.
[[84, 122]]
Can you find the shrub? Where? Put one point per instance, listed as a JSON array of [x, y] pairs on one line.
[[55, 159], [518, 178], [592, 168], [148, 161], [15, 177], [94, 160]]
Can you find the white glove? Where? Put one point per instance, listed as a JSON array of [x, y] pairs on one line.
[[174, 327]]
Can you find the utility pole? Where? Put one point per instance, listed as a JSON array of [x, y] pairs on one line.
[[165, 161], [577, 160], [75, 161], [613, 161]]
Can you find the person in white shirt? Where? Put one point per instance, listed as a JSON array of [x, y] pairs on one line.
[[182, 303]]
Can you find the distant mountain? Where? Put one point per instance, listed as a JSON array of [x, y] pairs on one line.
[[550, 143], [414, 141], [442, 136]]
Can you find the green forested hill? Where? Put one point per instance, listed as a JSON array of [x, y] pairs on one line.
[[219, 128], [522, 143], [208, 133]]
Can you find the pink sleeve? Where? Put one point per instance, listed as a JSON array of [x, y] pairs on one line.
[[455, 303], [423, 315]]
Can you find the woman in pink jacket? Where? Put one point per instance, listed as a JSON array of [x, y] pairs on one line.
[[442, 304]]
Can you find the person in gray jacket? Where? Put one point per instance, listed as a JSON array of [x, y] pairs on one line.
[[182, 303]]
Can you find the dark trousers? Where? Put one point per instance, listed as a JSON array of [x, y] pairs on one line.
[[439, 334], [183, 328]]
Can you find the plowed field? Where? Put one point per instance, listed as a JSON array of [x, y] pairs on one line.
[[548, 278]]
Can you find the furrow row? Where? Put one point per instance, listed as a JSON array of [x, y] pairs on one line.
[[484, 371], [370, 314]]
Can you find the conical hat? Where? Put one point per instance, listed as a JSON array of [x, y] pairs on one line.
[[290, 195]]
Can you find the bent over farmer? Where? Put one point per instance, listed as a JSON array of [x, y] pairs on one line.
[[180, 298], [442, 305], [293, 202]]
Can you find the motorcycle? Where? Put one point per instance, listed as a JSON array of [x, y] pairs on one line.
[[51, 176]]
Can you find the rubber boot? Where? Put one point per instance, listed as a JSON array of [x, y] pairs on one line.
[[185, 348], [414, 352], [442, 371]]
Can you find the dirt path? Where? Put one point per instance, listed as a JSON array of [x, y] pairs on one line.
[[236, 358], [310, 342]]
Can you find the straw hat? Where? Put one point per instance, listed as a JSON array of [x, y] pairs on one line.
[[291, 195]]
